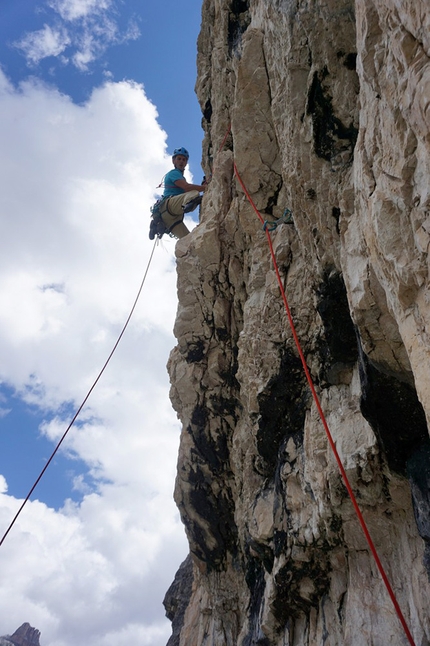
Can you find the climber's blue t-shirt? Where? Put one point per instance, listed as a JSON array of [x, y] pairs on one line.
[[169, 183]]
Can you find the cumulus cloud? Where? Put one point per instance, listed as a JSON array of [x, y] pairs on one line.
[[81, 32], [77, 182]]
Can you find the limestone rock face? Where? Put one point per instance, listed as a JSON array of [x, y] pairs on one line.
[[322, 107]]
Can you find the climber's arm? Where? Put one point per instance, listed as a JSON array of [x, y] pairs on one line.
[[182, 183]]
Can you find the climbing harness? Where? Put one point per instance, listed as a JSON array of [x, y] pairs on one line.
[[324, 421], [157, 226], [286, 218], [84, 401]]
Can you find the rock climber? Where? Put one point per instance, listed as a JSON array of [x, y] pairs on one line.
[[179, 196]]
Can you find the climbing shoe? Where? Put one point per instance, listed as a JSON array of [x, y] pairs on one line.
[[192, 204], [157, 227], [152, 229]]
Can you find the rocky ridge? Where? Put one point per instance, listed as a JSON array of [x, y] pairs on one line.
[[323, 105]]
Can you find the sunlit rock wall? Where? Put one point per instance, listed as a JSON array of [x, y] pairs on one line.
[[324, 108]]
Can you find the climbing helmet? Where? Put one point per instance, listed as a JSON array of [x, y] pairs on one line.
[[181, 151]]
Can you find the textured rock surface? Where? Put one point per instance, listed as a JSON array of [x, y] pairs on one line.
[[329, 109]]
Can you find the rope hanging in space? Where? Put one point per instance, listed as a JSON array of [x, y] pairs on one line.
[[27, 498]]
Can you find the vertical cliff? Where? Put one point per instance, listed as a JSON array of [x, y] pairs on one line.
[[323, 105]]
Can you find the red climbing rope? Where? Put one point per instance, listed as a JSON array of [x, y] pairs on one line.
[[324, 422], [84, 401], [225, 138]]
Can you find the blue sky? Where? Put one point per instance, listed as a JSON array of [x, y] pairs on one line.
[[94, 95], [158, 49]]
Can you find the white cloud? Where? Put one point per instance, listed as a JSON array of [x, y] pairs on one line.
[[3, 484], [49, 41], [91, 578], [87, 28], [78, 9], [76, 186], [4, 412]]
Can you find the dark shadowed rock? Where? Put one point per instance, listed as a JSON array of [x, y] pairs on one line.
[[177, 598]]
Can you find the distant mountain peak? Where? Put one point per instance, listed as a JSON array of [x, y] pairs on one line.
[[25, 635]]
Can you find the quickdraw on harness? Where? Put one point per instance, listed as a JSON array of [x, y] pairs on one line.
[[286, 218]]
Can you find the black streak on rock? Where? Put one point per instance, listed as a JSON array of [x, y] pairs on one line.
[[238, 22], [217, 512], [210, 464], [195, 352], [418, 470], [282, 410], [264, 554], [395, 414], [330, 135], [207, 112], [350, 61], [213, 452], [338, 349], [254, 577], [288, 601], [336, 214]]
